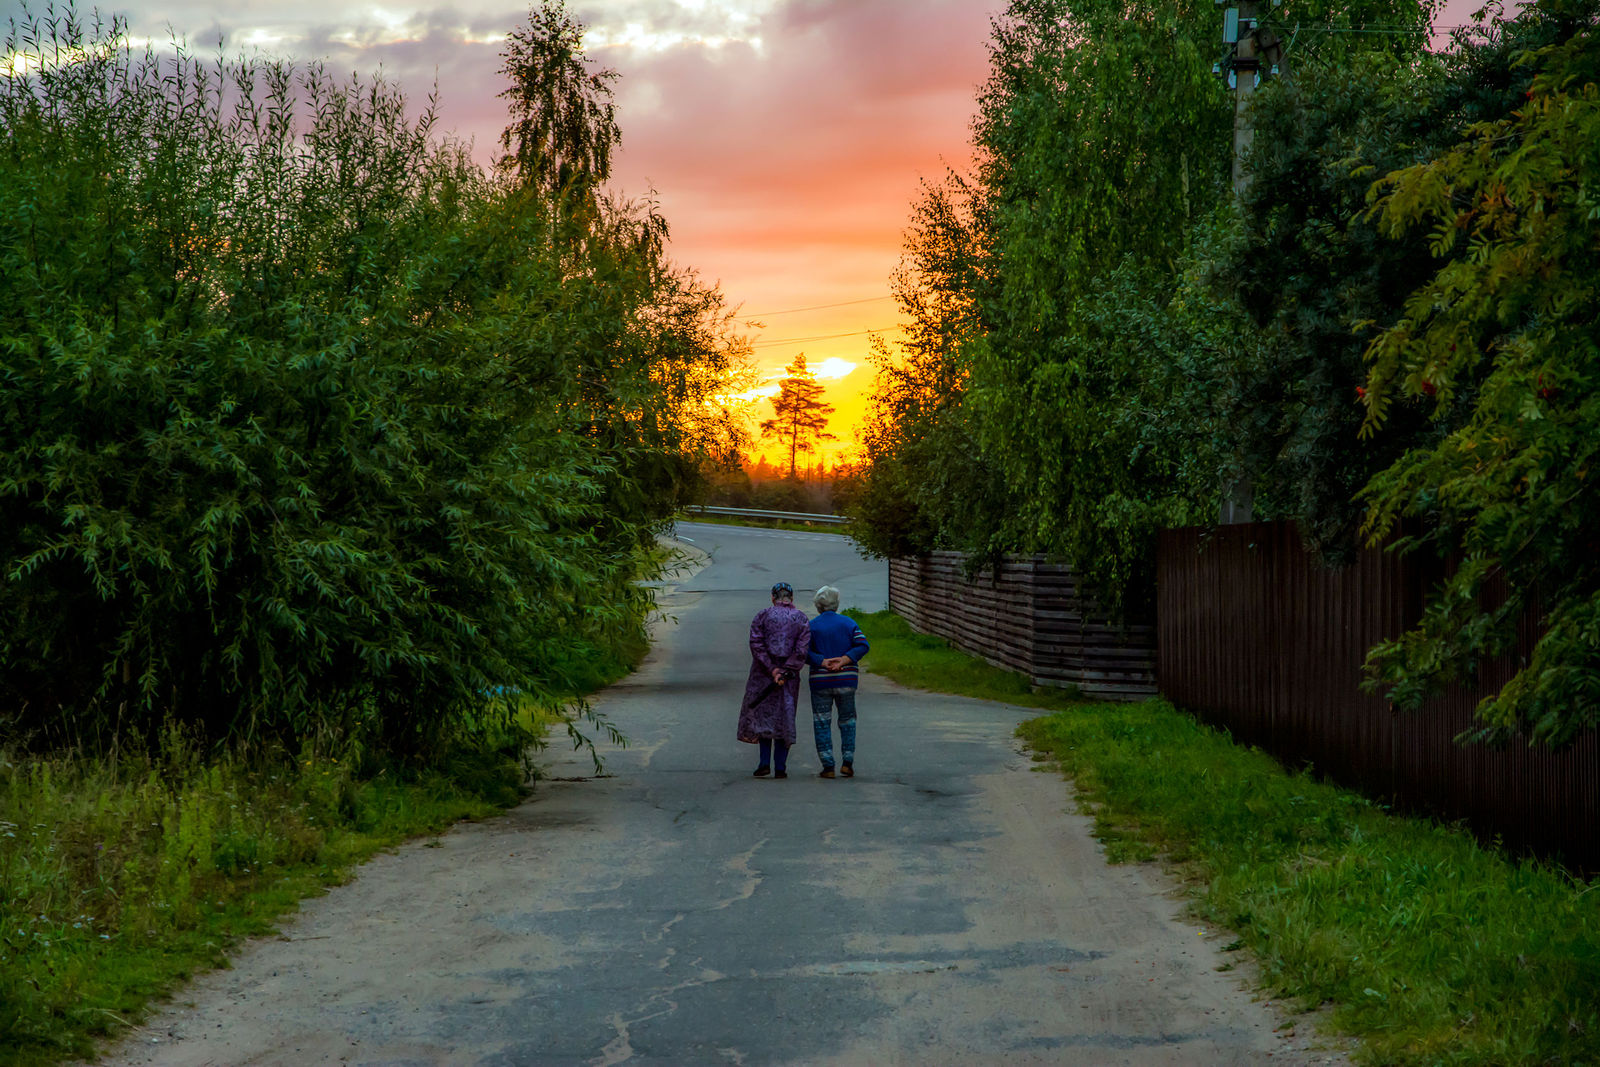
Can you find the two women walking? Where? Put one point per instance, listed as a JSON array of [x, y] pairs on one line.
[[782, 640]]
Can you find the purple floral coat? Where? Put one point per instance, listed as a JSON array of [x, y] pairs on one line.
[[780, 636]]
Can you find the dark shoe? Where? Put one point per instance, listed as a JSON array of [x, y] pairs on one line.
[[762, 771], [846, 771], [827, 772], [781, 774]]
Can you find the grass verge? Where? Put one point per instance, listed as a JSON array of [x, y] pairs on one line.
[[928, 662], [120, 879], [1424, 945]]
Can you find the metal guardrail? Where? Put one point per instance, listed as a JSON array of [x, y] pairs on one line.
[[760, 513]]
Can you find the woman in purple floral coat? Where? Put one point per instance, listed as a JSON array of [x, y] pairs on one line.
[[780, 637]]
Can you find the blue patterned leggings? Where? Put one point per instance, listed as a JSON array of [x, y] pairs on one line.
[[822, 702]]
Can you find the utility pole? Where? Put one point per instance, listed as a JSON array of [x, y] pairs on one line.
[[1253, 54], [1245, 67]]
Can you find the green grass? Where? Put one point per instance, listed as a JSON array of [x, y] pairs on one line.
[[914, 659], [842, 529], [1428, 947], [120, 879]]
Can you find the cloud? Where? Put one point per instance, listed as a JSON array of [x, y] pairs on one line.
[[829, 369], [788, 171], [834, 368]]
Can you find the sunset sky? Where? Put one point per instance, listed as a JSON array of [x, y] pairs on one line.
[[783, 139]]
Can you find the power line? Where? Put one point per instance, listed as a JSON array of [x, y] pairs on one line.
[[1429, 30], [820, 337], [817, 307]]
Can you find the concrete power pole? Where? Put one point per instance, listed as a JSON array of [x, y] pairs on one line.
[[1254, 55], [1245, 67]]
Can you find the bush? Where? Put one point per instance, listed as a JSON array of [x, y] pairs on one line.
[[301, 428]]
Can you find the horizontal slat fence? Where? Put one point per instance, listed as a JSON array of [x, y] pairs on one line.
[[1028, 616], [1254, 636]]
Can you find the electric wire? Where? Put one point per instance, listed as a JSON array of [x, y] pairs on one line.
[[1397, 30], [815, 307], [768, 343]]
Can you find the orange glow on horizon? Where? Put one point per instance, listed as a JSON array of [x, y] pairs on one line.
[[836, 343]]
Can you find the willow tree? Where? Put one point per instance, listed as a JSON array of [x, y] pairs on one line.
[[1100, 137], [260, 475], [926, 474], [312, 429]]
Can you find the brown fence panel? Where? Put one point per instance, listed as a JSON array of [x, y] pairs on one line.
[[1255, 637], [1028, 615]]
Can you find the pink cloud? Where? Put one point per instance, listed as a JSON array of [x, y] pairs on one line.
[[787, 171]]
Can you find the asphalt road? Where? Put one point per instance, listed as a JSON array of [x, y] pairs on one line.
[[942, 907]]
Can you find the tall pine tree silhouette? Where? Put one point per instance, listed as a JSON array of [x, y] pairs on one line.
[[800, 417]]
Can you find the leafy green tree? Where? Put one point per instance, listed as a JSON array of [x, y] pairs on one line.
[[800, 415], [1080, 179], [563, 121], [927, 479], [639, 376], [1311, 272], [1501, 347], [1100, 376]]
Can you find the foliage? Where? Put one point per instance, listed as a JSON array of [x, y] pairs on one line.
[[800, 415], [1032, 406], [1100, 342], [1060, 290], [1289, 396], [1500, 348], [652, 345], [310, 427], [1091, 187], [928, 480]]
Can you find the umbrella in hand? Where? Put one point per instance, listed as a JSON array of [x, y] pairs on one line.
[[771, 688]]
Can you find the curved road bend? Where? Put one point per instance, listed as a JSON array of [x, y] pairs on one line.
[[943, 907]]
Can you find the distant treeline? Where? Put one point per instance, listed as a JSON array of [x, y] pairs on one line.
[[1393, 329], [310, 426], [817, 488]]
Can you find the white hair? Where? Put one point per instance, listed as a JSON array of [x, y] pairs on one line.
[[827, 599]]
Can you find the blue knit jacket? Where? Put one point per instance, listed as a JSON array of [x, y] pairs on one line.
[[832, 635]]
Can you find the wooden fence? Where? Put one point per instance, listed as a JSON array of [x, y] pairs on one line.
[[1029, 617], [1253, 636]]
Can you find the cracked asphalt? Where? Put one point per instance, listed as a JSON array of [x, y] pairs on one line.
[[944, 906]]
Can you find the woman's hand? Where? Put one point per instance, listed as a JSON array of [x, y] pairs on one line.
[[777, 675]]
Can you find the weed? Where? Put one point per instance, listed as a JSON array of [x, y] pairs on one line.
[[915, 659], [116, 880]]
